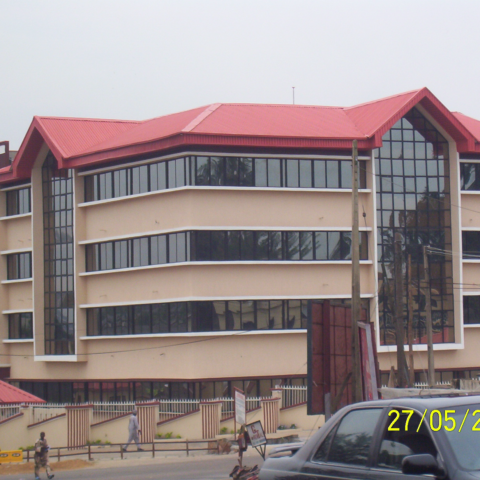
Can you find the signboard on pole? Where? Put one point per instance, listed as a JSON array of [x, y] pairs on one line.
[[240, 412], [257, 437]]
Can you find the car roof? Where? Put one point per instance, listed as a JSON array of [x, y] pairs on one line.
[[421, 402]]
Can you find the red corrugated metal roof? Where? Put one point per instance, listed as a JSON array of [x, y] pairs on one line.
[[82, 142], [279, 121], [471, 124], [11, 394], [74, 135], [371, 116], [148, 130]]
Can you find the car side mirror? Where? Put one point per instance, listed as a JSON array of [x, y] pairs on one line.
[[422, 464]]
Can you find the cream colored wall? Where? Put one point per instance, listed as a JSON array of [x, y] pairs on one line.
[[471, 210], [115, 431], [19, 296], [298, 416], [14, 433], [471, 274], [18, 233], [177, 209], [468, 357], [189, 358], [224, 280], [79, 254], [55, 432], [188, 427]]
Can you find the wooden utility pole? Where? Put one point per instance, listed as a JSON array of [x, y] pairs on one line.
[[411, 366], [356, 371], [428, 319], [399, 322]]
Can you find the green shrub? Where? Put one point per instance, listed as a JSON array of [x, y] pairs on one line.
[[293, 426], [179, 436], [168, 435], [158, 435], [107, 442], [223, 430]]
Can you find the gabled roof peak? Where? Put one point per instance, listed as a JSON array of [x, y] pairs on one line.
[[78, 142]]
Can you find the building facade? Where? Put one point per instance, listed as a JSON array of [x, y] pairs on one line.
[[176, 257]]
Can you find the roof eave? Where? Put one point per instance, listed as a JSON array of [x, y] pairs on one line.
[[189, 139]]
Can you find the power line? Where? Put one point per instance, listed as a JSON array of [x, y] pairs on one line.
[[243, 332]]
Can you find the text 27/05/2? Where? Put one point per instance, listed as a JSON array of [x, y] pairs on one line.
[[435, 418]]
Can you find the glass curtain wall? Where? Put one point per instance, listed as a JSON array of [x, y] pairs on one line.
[[413, 210], [59, 318]]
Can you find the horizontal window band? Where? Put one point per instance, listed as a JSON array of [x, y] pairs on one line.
[[215, 154], [220, 171], [223, 246], [207, 318], [221, 229]]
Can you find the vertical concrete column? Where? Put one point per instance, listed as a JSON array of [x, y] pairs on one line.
[[271, 414], [79, 419], [147, 419], [211, 416], [278, 393]]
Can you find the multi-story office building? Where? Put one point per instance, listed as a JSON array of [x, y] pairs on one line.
[[175, 257]]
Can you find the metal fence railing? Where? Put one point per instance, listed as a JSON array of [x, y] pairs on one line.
[[170, 409], [8, 410], [293, 394], [91, 451], [107, 410]]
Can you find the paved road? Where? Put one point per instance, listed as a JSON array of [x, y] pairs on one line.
[[196, 468]]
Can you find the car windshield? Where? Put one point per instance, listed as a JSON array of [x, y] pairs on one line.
[[461, 426]]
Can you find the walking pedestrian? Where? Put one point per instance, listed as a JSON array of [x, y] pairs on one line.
[[41, 457], [133, 432]]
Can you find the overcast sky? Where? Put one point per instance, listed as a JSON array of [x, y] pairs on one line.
[[138, 59]]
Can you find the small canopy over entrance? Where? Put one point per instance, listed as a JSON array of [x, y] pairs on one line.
[[10, 394]]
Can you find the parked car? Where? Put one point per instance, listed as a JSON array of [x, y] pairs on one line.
[[388, 440]]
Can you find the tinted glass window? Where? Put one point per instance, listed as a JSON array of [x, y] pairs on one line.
[[260, 172], [292, 173], [471, 309], [471, 244], [203, 171], [332, 174], [217, 171], [353, 438], [18, 201], [274, 173], [245, 171], [305, 173], [322, 452], [397, 444], [319, 176]]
